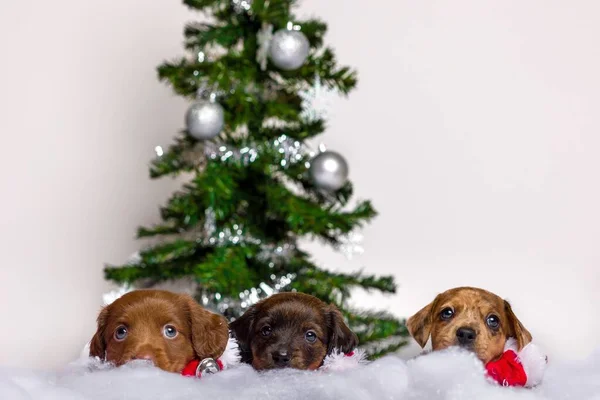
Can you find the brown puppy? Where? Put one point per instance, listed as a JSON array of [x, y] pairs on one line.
[[166, 328], [291, 330], [471, 318]]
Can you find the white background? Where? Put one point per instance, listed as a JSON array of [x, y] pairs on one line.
[[474, 130]]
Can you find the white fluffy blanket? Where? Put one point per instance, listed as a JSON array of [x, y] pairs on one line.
[[448, 375]]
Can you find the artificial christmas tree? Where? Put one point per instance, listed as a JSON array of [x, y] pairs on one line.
[[255, 186]]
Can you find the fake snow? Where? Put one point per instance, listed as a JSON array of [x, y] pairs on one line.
[[450, 375]]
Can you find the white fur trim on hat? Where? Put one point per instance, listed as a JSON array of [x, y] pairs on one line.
[[231, 356], [338, 361], [532, 358]]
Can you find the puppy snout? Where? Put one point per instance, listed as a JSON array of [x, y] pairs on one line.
[[145, 355], [281, 358], [466, 336]]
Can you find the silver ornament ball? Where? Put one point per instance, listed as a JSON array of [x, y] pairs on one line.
[[288, 49], [204, 119], [329, 171]]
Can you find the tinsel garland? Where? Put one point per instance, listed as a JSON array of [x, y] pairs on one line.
[[291, 151], [234, 307]]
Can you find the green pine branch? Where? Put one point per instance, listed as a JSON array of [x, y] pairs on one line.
[[324, 66], [157, 273], [226, 271], [277, 12], [314, 30], [300, 131], [183, 208], [169, 252], [231, 71], [174, 161], [375, 326], [200, 35], [334, 287], [201, 4], [306, 217], [217, 269]]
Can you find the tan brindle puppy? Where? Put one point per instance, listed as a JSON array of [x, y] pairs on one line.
[[471, 318]]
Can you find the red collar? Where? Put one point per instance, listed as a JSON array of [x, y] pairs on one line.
[[198, 367]]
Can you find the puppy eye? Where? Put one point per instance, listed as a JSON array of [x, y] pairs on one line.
[[266, 331], [310, 336], [169, 331], [447, 313], [493, 321], [120, 333]]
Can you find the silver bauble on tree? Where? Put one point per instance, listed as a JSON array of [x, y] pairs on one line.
[[204, 119], [288, 49], [329, 171]]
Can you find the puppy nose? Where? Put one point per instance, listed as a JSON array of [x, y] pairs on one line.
[[466, 336], [144, 355], [281, 357]]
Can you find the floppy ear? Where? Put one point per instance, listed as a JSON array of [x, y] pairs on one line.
[[97, 344], [516, 328], [241, 330], [419, 325], [209, 331], [340, 336]]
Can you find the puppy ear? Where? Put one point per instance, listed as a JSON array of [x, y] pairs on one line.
[[340, 337], [97, 344], [209, 331], [241, 330], [419, 325], [516, 328]]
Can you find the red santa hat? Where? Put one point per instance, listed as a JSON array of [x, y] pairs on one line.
[[518, 368]]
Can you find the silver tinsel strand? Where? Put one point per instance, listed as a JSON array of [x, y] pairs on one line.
[[229, 235], [241, 6], [292, 151], [277, 254], [223, 152], [234, 307]]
